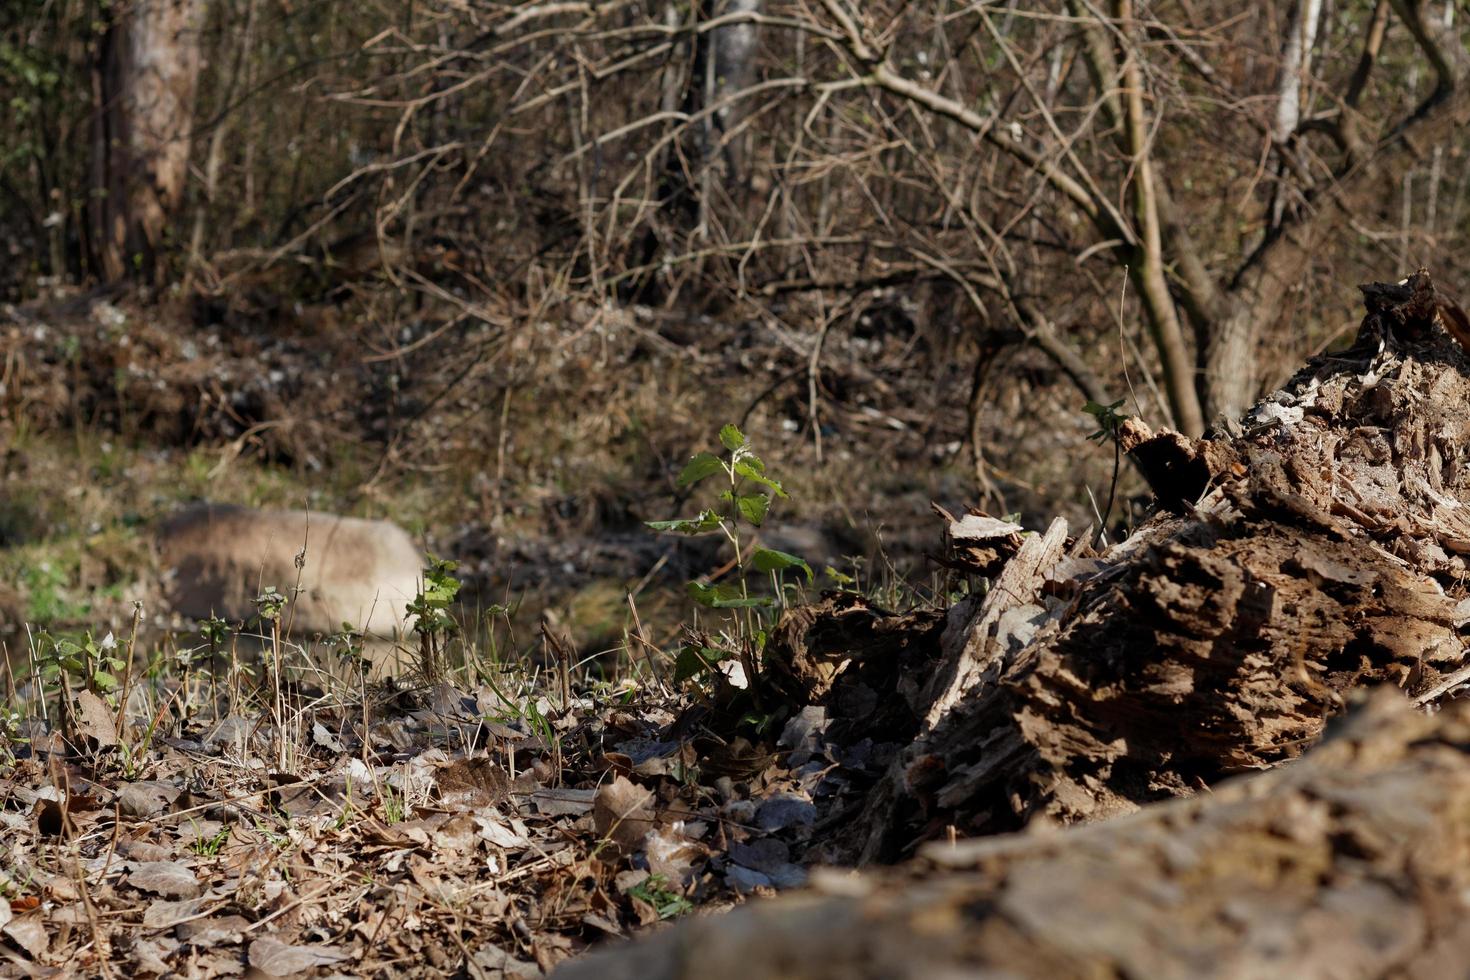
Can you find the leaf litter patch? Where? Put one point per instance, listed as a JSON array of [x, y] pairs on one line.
[[443, 827]]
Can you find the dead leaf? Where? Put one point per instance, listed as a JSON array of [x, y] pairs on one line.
[[673, 855], [275, 958], [95, 719], [496, 963], [225, 930], [150, 955], [162, 914], [147, 797], [494, 829], [167, 878], [472, 783], [563, 802], [623, 813], [29, 934], [326, 739]]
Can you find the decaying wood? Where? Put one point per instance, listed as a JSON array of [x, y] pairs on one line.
[[1319, 549], [1005, 616], [1353, 862]]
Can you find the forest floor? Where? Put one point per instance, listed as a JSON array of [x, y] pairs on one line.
[[176, 807], [489, 817]]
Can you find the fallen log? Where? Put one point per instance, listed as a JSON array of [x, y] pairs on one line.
[[1352, 862]]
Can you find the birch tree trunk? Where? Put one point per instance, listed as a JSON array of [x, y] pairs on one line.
[[1296, 62], [735, 48]]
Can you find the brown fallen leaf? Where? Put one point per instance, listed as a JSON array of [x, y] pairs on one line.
[[151, 955], [274, 958], [162, 914], [673, 855], [29, 933], [147, 797], [167, 878], [554, 802], [623, 813], [96, 719], [221, 931], [472, 783]]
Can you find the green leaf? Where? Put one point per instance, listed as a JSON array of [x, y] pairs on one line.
[[1093, 408], [701, 466], [707, 521], [752, 470], [723, 596], [770, 560], [691, 662], [838, 577], [104, 681], [753, 507], [731, 438]]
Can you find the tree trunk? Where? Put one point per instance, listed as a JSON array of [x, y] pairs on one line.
[[1296, 62], [143, 84], [735, 48]]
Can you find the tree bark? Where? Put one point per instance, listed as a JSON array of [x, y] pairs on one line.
[[1322, 550], [144, 84], [735, 47]]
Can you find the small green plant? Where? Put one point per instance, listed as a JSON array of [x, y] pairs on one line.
[[1109, 428], [346, 644], [93, 662], [269, 604], [1109, 420], [393, 806], [430, 611], [743, 504], [655, 890], [10, 734], [746, 500], [210, 847], [214, 631]]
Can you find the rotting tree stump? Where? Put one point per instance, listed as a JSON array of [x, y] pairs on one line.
[[1317, 547]]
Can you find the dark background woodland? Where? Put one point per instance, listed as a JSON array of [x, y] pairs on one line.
[[497, 269]]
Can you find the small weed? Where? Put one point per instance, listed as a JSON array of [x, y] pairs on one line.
[[430, 610], [1109, 428], [655, 890], [744, 503], [211, 847], [269, 604], [93, 662], [393, 806]]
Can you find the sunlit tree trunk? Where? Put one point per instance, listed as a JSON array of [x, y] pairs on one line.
[[143, 86], [735, 48], [1296, 64]]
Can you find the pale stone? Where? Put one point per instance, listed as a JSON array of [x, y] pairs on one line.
[[217, 558]]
